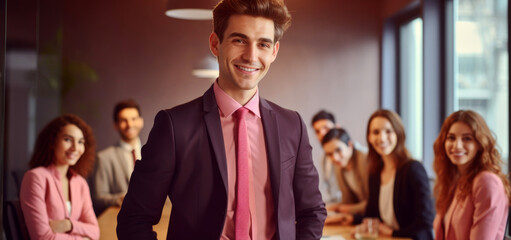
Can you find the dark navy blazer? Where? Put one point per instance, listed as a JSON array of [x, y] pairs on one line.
[[184, 158], [413, 204]]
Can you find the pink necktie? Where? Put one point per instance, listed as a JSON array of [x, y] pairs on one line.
[[242, 214]]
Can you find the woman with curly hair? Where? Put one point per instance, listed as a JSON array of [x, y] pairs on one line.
[[472, 194], [54, 195]]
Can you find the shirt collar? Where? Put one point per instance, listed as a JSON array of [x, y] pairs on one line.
[[228, 105], [126, 146]]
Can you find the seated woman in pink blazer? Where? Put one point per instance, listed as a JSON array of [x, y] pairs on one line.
[[472, 194], [54, 195]]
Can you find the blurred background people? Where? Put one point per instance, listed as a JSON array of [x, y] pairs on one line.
[[351, 171], [115, 164], [322, 122], [54, 195], [472, 194], [399, 191]]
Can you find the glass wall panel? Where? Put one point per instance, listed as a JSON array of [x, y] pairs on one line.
[[411, 84], [481, 74]]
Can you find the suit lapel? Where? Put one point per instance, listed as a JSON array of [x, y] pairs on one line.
[[214, 128], [398, 179], [73, 195], [448, 218], [58, 184], [271, 137], [122, 161]]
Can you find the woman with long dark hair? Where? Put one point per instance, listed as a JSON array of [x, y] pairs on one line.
[[399, 192], [54, 195]]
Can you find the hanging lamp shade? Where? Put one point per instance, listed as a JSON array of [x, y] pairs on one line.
[[206, 68], [191, 9]]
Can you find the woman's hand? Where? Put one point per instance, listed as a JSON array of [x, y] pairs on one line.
[[61, 226]]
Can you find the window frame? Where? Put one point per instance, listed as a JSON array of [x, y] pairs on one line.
[[438, 66], [432, 13]]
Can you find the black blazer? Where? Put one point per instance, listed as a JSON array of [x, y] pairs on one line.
[[184, 158], [413, 204]]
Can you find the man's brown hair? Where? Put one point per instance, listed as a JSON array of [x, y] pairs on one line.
[[271, 9]]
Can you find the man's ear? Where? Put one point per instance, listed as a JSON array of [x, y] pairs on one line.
[[275, 50], [350, 144], [214, 41]]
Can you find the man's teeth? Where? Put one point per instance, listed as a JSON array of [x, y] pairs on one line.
[[247, 69]]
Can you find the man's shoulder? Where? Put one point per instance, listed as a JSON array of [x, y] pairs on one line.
[[281, 111]]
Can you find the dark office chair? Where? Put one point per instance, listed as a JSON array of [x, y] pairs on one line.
[[17, 176], [14, 222]]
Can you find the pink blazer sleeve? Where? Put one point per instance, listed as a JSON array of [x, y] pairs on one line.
[[490, 207], [40, 201]]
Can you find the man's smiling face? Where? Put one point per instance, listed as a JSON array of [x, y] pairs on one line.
[[246, 52]]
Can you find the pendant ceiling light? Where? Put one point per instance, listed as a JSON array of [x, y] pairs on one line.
[[206, 68], [191, 9]]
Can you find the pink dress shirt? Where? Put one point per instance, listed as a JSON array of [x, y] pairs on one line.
[[481, 215], [42, 200], [261, 200]]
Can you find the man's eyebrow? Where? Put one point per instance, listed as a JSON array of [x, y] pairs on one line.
[[236, 34], [241, 35], [266, 40]]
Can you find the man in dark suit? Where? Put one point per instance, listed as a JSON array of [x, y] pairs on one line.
[[191, 153]]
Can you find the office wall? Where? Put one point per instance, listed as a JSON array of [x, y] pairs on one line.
[[391, 7], [113, 50], [329, 58]]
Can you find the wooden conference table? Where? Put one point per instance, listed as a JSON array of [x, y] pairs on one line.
[[108, 222]]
